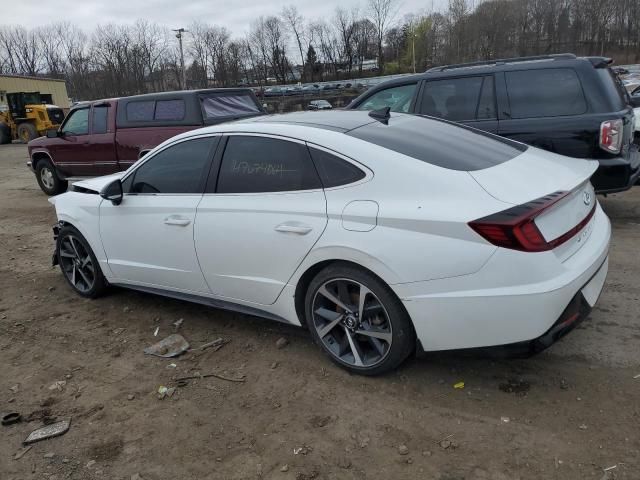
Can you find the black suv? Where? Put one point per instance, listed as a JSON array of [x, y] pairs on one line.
[[574, 106]]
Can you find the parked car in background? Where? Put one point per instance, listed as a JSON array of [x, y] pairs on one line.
[[385, 235], [570, 105], [107, 136], [319, 105], [274, 92], [635, 98]]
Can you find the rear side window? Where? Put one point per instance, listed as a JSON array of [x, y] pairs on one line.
[[100, 119], [396, 98], [179, 168], [334, 171], [550, 92], [261, 164], [169, 110], [140, 111], [220, 106], [459, 99], [444, 144]]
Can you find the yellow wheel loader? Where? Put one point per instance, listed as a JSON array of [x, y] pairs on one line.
[[29, 115]]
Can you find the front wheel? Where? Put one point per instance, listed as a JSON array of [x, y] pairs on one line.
[[26, 132], [358, 321], [78, 263], [48, 178]]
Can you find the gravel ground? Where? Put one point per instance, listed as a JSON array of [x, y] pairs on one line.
[[574, 414]]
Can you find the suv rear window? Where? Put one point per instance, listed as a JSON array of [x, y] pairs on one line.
[[149, 110], [440, 143], [220, 106], [552, 92]]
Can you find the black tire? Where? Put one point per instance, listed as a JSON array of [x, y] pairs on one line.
[[27, 132], [48, 179], [5, 134], [391, 319], [82, 272]]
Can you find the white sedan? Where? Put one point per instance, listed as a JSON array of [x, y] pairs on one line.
[[383, 234]]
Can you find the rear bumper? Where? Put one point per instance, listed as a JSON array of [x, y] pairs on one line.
[[617, 174], [516, 297]]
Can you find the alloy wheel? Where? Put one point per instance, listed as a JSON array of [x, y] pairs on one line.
[[46, 175], [76, 263], [352, 322]]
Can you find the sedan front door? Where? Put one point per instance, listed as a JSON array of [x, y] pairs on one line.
[[265, 211], [148, 238]]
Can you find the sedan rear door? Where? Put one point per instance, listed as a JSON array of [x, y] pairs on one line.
[[263, 211]]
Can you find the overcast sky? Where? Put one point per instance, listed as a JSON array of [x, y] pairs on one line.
[[236, 15]]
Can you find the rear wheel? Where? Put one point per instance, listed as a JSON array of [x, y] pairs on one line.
[[78, 263], [357, 320], [26, 132], [48, 178]]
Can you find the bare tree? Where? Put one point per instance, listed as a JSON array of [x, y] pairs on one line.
[[381, 13], [295, 22]]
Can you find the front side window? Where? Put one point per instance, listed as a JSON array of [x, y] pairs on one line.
[[454, 99], [77, 123], [397, 98], [180, 168], [100, 115], [260, 164], [550, 92]]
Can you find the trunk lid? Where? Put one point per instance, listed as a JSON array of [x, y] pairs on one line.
[[538, 173]]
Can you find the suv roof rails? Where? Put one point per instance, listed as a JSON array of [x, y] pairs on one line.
[[557, 56]]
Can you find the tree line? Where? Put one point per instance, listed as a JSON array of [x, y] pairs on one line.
[[368, 39]]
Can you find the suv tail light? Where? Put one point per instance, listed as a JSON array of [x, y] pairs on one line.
[[611, 135], [515, 228]]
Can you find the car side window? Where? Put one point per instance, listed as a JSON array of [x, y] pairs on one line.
[[99, 119], [180, 168], [453, 99], [77, 123], [551, 92], [333, 170], [397, 98], [261, 164]]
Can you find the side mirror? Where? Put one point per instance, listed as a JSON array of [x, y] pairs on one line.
[[113, 192], [53, 133]]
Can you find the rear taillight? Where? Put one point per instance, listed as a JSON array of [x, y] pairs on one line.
[[611, 135], [515, 228]]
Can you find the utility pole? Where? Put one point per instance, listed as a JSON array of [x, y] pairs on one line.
[[179, 33], [413, 47]]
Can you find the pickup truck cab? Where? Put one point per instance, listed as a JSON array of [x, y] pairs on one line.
[[107, 136]]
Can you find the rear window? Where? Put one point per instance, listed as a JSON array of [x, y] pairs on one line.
[[221, 106], [552, 92], [440, 143]]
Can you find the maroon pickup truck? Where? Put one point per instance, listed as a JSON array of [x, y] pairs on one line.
[[106, 136]]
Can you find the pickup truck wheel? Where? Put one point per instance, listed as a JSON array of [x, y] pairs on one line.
[[48, 178], [26, 132], [78, 263]]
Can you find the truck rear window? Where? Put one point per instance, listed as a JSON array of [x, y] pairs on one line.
[[229, 105], [440, 143]]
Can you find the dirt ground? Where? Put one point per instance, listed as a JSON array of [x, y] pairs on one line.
[[575, 414]]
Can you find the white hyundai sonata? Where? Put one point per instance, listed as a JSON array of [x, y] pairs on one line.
[[384, 235]]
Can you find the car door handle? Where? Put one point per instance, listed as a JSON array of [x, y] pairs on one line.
[[177, 220], [297, 228]]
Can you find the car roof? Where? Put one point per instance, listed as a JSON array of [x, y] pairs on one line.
[[336, 120]]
